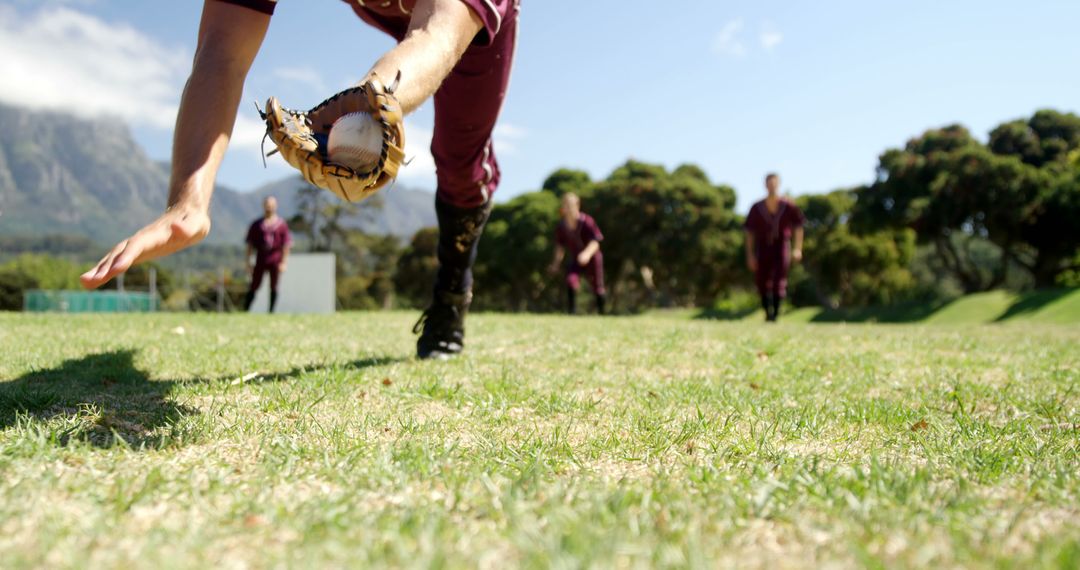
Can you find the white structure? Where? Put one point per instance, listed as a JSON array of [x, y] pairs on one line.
[[308, 285]]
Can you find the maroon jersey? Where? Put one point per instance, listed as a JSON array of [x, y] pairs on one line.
[[575, 240], [467, 103], [269, 240], [392, 16], [772, 231], [772, 244]]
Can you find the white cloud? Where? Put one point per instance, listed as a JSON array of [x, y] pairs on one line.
[[74, 62], [67, 60], [420, 170], [248, 130], [728, 41], [40, 3], [421, 167], [770, 37], [306, 76], [507, 136]]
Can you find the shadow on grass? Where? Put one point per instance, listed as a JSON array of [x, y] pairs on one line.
[[1034, 301], [103, 398], [900, 313], [726, 314]]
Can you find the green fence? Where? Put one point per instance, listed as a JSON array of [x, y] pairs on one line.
[[37, 300]]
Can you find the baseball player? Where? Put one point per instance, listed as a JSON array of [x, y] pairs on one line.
[[578, 235], [269, 240], [458, 51], [771, 226]]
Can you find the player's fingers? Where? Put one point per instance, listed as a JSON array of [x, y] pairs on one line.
[[123, 260], [96, 276], [106, 261], [93, 270]]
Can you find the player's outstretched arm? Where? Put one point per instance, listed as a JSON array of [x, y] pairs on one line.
[[229, 39], [439, 33], [587, 254]]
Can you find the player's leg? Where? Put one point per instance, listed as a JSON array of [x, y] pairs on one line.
[[466, 108], [780, 286], [777, 297], [573, 283], [596, 279], [772, 294], [761, 281], [256, 282], [275, 272]]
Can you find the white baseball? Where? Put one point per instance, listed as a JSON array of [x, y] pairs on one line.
[[355, 141]]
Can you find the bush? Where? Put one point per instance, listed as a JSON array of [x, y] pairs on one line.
[[12, 284], [34, 271]]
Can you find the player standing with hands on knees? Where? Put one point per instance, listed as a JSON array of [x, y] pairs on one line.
[[771, 226], [578, 235], [457, 51]]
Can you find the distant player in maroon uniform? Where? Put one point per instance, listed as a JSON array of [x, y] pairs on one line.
[[269, 239], [458, 52], [578, 235], [771, 226]]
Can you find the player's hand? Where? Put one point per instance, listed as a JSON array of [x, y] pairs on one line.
[[796, 255], [173, 231], [583, 259], [281, 267], [751, 264]]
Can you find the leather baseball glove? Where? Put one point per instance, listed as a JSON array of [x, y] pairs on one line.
[[301, 138]]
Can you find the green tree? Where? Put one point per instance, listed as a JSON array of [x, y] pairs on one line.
[[1046, 236], [365, 270], [1046, 139], [517, 246], [137, 278], [565, 180], [852, 269], [955, 194], [416, 269], [321, 217], [13, 283], [671, 238], [46, 271]]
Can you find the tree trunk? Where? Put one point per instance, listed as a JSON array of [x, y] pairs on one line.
[[1046, 269], [955, 264]]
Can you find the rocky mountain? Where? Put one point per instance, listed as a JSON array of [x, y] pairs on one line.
[[65, 175]]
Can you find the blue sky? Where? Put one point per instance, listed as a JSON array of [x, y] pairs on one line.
[[814, 90]]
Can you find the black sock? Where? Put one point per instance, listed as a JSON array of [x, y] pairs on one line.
[[571, 301], [766, 303], [273, 300], [248, 299], [776, 306], [459, 235], [600, 298]]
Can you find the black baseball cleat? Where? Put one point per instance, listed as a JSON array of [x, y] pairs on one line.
[[442, 327]]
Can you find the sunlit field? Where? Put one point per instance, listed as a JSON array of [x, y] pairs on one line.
[[189, 441]]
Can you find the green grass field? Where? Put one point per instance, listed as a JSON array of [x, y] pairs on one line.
[[1060, 306], [191, 441]]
